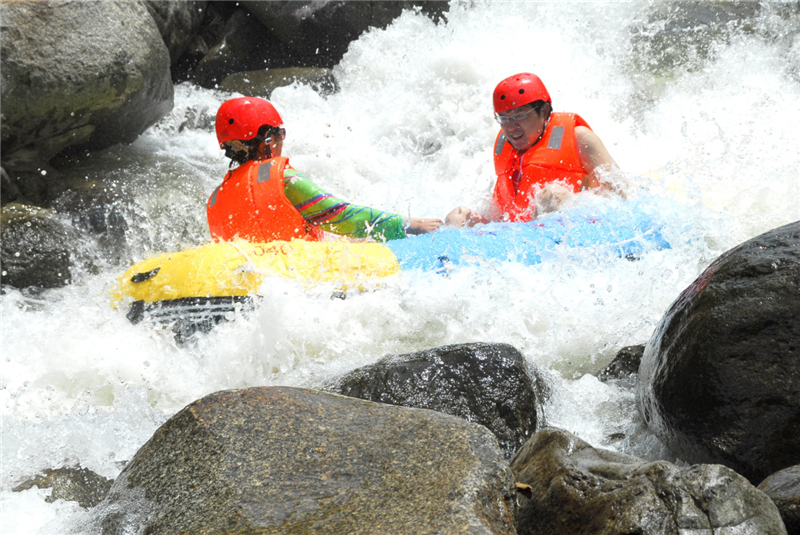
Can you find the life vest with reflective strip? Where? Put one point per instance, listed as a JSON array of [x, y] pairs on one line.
[[250, 204], [554, 158]]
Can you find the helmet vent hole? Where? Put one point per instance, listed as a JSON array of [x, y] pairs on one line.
[[230, 121], [521, 91], [502, 97]]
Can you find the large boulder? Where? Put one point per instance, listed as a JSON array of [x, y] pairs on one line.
[[783, 488], [719, 380], [78, 74], [489, 384], [577, 489], [286, 460]]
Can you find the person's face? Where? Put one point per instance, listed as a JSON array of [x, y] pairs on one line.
[[524, 127]]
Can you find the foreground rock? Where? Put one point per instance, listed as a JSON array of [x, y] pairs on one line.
[[783, 488], [719, 381], [577, 489], [488, 384], [286, 460], [78, 74]]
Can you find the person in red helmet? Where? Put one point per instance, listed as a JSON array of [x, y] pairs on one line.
[[263, 198], [540, 156]]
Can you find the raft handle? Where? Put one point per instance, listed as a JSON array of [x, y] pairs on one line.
[[141, 277]]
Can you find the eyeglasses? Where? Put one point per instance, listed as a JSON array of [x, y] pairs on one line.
[[516, 117]]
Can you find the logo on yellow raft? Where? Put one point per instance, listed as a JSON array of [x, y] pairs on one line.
[[239, 268]]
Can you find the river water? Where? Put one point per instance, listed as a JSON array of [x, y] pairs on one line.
[[700, 110]]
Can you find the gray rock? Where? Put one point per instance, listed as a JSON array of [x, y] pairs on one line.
[[78, 74], [489, 384], [35, 249], [71, 484], [783, 488], [243, 45], [263, 82], [286, 460], [317, 33], [719, 381], [577, 489], [178, 23], [624, 365]]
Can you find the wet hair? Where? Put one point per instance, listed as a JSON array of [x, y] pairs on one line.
[[537, 106]]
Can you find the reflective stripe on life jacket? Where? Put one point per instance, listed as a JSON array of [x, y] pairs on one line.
[[250, 204], [553, 158]]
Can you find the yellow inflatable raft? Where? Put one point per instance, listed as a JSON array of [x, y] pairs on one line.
[[198, 287]]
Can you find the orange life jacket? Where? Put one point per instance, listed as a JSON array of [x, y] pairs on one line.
[[251, 204], [553, 158]]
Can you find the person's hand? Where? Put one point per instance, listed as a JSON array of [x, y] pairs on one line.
[[464, 217], [551, 198], [423, 226]]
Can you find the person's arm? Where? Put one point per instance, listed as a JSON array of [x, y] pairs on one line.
[[335, 215], [418, 225], [594, 157]]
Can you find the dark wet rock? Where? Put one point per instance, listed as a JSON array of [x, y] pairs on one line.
[[317, 34], [683, 35], [577, 489], [286, 460], [624, 365], [285, 34], [103, 216], [719, 381], [35, 247], [489, 384], [79, 75], [783, 488], [178, 22], [263, 82], [73, 484], [679, 37], [243, 45], [29, 187]]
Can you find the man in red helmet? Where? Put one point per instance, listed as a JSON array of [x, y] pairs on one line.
[[540, 157], [263, 198]]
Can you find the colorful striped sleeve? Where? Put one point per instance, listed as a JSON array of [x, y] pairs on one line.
[[335, 215]]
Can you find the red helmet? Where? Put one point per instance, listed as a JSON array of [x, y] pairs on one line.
[[240, 118], [518, 90]]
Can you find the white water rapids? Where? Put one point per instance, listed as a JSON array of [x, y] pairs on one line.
[[705, 125]]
